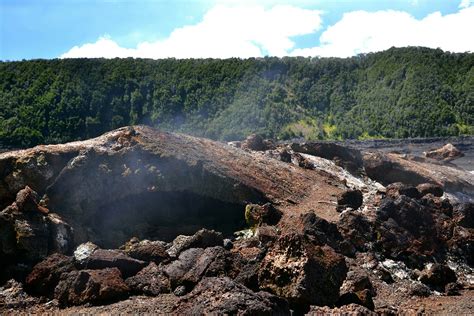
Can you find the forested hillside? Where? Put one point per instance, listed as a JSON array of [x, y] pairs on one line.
[[401, 92]]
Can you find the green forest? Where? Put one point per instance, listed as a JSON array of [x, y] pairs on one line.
[[398, 93]]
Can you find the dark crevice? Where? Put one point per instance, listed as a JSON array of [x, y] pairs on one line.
[[160, 216]]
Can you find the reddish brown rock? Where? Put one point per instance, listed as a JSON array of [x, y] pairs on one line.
[[91, 286], [45, 275]]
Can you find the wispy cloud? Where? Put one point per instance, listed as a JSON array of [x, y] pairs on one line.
[[363, 32], [223, 32], [252, 31]]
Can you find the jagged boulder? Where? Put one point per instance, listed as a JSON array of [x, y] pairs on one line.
[[320, 231], [222, 296], [412, 230], [302, 272], [45, 275], [149, 281], [91, 286], [357, 232], [29, 231]]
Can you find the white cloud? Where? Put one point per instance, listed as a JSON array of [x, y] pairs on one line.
[[363, 32], [252, 31], [223, 32], [465, 4]]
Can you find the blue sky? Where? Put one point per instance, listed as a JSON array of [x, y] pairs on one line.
[[228, 28]]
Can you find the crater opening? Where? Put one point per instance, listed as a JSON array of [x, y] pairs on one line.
[[161, 216]]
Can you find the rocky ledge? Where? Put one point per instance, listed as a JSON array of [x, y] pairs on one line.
[[139, 220]]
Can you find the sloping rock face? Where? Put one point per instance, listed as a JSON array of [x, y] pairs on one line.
[[145, 180]]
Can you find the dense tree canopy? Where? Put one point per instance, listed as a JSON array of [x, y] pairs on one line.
[[401, 92]]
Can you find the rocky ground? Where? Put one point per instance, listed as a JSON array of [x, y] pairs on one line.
[[139, 220]]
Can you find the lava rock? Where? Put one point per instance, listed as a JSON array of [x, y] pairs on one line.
[[394, 190], [195, 263], [358, 289], [419, 289], [201, 239], [108, 258], [45, 275], [91, 286], [320, 231], [27, 200], [149, 281], [222, 296], [356, 232], [248, 275], [302, 272], [349, 199], [446, 153], [430, 188], [438, 276], [147, 250]]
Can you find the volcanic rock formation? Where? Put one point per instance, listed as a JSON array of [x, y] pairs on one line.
[[143, 214]]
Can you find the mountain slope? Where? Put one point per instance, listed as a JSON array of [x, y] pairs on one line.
[[401, 92]]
